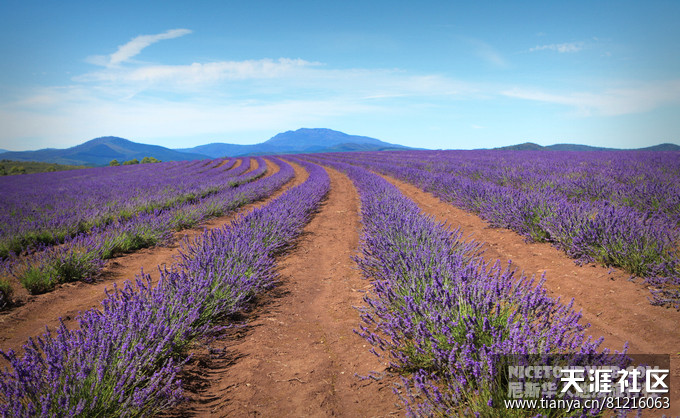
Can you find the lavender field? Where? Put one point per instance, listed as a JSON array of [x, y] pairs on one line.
[[620, 209], [56, 234], [436, 313]]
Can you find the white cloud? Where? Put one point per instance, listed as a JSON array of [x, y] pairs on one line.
[[134, 47], [200, 73], [613, 102], [561, 48], [267, 78]]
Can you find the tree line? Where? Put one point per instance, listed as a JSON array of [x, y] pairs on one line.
[[145, 160]]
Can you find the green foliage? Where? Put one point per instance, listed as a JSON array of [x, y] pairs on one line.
[[5, 293], [130, 162], [130, 241], [17, 169], [147, 160], [114, 163], [9, 167], [64, 267]]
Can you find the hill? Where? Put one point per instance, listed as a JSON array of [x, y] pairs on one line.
[[662, 147], [527, 146], [578, 147], [100, 151], [303, 140]]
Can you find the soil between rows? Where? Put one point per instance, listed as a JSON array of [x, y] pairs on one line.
[[30, 318], [615, 307]]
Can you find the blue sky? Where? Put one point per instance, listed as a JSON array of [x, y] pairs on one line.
[[437, 74]]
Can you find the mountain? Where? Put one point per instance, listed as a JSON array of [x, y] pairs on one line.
[[527, 146], [303, 140], [100, 151], [354, 147], [662, 147], [577, 147]]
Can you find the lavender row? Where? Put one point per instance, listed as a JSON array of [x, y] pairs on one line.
[[49, 207], [124, 359], [589, 230], [645, 181], [442, 317], [83, 256]]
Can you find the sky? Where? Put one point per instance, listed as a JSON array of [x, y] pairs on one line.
[[432, 74]]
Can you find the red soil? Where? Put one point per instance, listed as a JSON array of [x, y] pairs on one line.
[[223, 162], [253, 165]]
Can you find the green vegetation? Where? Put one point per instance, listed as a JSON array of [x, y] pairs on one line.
[[5, 293], [9, 167], [145, 160]]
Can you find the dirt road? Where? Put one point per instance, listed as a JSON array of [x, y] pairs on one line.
[[298, 355]]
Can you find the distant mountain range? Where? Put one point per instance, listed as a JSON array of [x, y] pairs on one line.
[[301, 141], [100, 151], [530, 146]]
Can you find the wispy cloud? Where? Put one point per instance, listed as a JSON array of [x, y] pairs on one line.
[[134, 47], [200, 73], [488, 53], [561, 48], [268, 79], [635, 99]]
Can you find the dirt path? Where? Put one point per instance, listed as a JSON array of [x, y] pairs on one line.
[[616, 308], [238, 163], [299, 354], [253, 166], [66, 301], [233, 164]]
